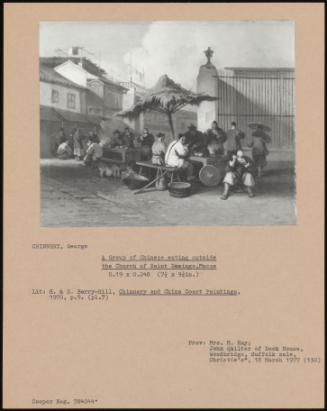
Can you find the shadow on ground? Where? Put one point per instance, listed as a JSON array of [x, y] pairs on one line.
[[73, 195]]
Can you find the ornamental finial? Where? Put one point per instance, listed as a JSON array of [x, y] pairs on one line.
[[209, 54]]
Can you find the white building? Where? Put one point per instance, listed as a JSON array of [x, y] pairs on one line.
[[75, 72], [58, 92]]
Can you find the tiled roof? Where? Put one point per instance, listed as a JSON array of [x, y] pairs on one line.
[[88, 65], [49, 75], [112, 83], [56, 114], [49, 114]]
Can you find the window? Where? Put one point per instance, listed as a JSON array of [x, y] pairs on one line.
[[54, 96], [71, 100]]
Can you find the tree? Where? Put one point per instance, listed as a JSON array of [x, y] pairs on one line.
[[165, 97]]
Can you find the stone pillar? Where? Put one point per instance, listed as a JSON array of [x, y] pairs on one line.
[[207, 82]]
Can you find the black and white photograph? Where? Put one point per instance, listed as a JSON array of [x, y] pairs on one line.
[[167, 123]]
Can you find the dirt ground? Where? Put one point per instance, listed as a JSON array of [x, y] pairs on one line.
[[73, 195]]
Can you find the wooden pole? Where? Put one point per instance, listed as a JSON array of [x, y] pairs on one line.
[[170, 119]]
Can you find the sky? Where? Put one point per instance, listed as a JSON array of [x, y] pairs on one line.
[[174, 48]]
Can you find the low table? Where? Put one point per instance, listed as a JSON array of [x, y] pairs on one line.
[[161, 172], [219, 160]]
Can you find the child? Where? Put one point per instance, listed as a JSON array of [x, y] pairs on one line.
[[259, 149]]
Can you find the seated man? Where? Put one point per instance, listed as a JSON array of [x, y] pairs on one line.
[[239, 171], [94, 152], [64, 150], [117, 140], [177, 155], [158, 150], [128, 138]]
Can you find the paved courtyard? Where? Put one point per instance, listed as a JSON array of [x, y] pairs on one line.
[[75, 196]]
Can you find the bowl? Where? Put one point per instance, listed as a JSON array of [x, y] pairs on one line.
[[179, 189]]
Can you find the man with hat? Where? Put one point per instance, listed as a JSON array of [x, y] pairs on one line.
[[234, 137], [258, 142]]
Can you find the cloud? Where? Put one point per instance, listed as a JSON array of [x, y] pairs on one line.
[[176, 48]]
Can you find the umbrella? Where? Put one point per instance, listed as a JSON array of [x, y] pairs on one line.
[[165, 97], [260, 133], [260, 126]]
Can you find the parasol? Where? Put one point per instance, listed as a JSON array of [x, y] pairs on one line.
[[166, 97]]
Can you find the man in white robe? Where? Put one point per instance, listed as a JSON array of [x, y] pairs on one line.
[[177, 154]]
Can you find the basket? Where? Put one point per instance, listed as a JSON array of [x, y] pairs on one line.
[[179, 189]]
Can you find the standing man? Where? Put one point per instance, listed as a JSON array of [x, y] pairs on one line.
[[146, 140], [259, 149], [78, 148], [159, 150], [216, 140], [234, 137]]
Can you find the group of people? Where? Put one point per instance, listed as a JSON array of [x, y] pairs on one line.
[[241, 170], [87, 149], [128, 139]]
